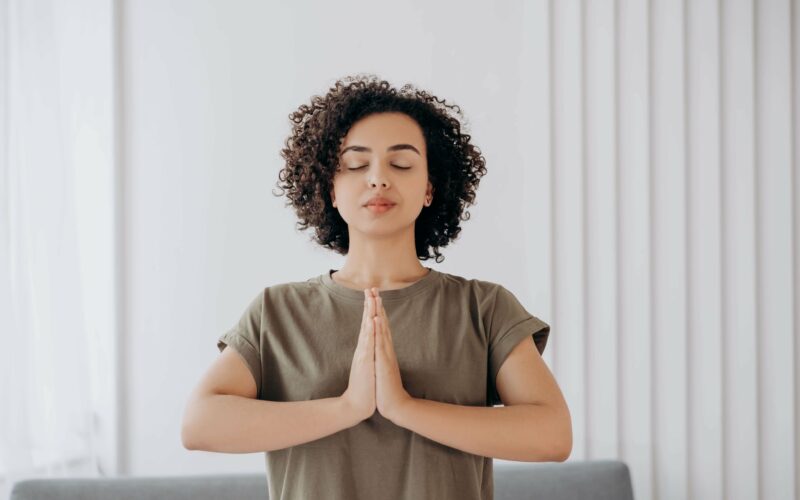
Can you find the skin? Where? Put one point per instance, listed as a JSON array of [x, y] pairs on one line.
[[390, 395], [382, 251]]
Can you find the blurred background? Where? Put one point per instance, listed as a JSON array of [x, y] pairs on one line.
[[641, 198]]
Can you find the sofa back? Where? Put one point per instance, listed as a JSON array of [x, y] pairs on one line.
[[594, 479]]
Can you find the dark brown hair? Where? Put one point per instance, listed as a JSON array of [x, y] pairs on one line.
[[312, 155]]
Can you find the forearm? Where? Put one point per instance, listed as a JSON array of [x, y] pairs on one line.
[[528, 433], [234, 424]]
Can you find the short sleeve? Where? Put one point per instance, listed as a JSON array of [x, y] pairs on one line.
[[245, 337], [509, 324]]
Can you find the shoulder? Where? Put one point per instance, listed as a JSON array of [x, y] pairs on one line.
[[490, 297], [291, 292], [467, 282], [477, 287], [482, 295]]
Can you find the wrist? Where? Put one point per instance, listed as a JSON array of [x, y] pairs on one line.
[[347, 408], [399, 412]]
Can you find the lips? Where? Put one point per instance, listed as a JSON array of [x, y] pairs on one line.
[[379, 201], [379, 209]]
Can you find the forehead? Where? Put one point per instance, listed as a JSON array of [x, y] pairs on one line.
[[381, 130]]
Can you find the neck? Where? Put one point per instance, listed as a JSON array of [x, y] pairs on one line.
[[381, 261]]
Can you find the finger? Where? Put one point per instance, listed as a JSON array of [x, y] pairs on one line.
[[382, 314], [382, 345], [365, 312], [386, 343], [365, 325], [385, 324], [370, 340], [381, 309], [371, 307], [377, 346], [378, 336]]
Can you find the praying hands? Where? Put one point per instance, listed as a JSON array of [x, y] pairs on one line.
[[375, 381]]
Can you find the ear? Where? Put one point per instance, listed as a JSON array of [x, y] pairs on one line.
[[333, 198]]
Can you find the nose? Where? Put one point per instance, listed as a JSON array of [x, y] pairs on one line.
[[377, 177]]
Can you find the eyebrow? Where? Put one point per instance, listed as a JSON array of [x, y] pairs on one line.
[[396, 147]]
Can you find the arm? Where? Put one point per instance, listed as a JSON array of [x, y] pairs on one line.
[[235, 424], [524, 432], [535, 425], [224, 415]]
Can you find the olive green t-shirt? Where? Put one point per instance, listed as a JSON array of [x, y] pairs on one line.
[[450, 334]]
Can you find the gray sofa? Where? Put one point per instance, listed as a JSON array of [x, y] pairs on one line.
[[596, 480]]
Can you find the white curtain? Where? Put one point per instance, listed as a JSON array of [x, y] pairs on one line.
[[56, 239]]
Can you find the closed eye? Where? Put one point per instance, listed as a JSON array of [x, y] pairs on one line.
[[396, 166]]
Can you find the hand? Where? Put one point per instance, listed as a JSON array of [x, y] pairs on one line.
[[389, 392], [360, 392]]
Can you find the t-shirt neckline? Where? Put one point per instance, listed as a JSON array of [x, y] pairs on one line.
[[399, 293]]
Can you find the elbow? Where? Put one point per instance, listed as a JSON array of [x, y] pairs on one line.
[[562, 445], [187, 439], [189, 433], [552, 437], [190, 425], [566, 438], [560, 450], [566, 449]]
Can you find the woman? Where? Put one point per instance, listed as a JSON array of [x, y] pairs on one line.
[[378, 380]]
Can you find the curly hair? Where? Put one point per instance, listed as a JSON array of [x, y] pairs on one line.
[[312, 158]]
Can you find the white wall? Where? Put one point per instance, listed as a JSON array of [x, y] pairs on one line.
[[653, 146]]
